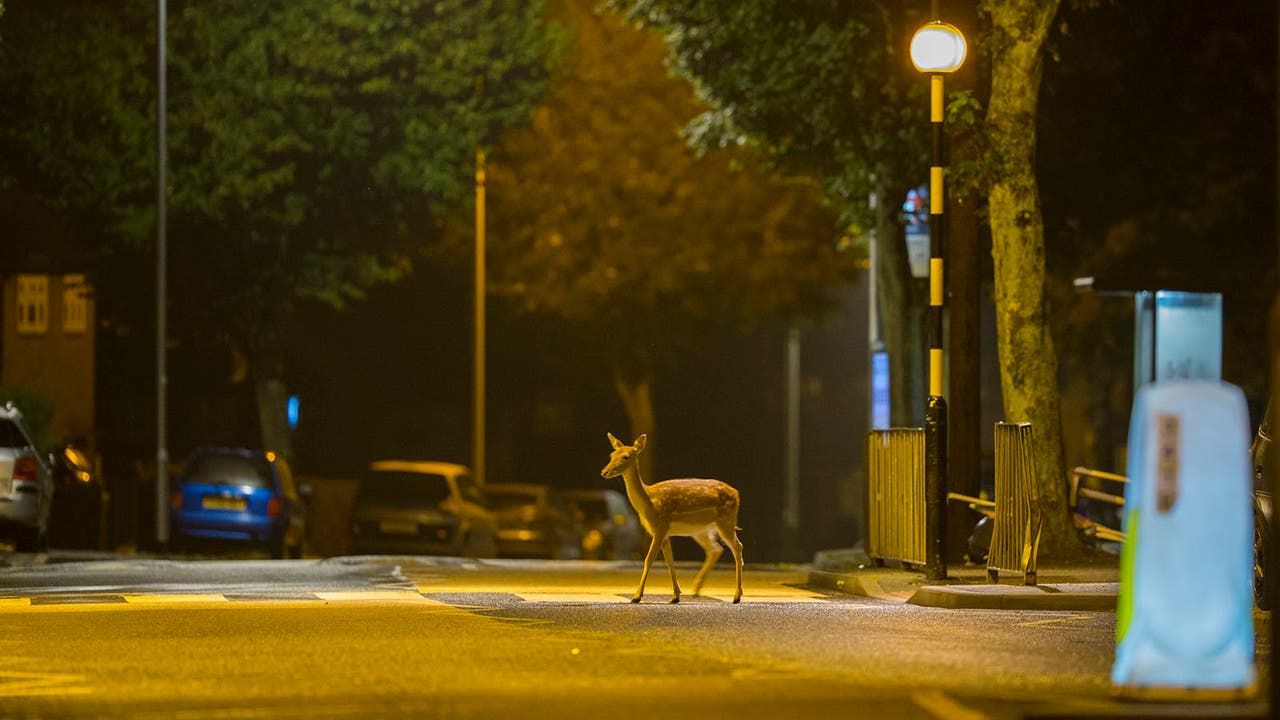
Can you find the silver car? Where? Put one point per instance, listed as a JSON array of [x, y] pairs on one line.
[[421, 508], [26, 486]]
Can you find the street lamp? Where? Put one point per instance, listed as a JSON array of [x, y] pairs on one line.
[[937, 48]]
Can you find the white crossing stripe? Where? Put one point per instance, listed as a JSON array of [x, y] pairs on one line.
[[571, 597]]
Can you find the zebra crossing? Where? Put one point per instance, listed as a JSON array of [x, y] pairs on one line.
[[424, 593]]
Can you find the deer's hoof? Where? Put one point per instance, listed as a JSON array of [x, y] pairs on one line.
[[635, 599], [675, 599], [737, 600]]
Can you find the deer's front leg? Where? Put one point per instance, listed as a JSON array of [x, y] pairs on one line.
[[671, 566], [648, 562]]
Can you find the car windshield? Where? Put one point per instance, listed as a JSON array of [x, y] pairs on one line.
[[393, 487], [505, 499], [252, 472]]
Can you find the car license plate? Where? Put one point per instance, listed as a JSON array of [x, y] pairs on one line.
[[398, 527], [220, 502]]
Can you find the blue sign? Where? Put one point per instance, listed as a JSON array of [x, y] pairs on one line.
[[880, 391], [915, 220], [1188, 336], [291, 412]]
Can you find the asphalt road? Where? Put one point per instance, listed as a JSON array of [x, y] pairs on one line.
[[394, 637]]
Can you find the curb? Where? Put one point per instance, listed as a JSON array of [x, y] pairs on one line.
[[863, 585], [969, 596], [1015, 598]]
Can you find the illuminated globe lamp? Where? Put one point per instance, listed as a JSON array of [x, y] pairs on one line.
[[937, 48]]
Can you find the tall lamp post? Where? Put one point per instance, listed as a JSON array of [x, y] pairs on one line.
[[478, 429], [162, 273], [937, 48]]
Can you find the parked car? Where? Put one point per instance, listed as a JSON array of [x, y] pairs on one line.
[[79, 517], [421, 508], [26, 485], [240, 496], [610, 529], [533, 521]]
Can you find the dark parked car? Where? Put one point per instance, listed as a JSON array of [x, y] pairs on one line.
[[239, 496], [533, 521], [79, 516], [26, 485], [421, 508], [610, 529]]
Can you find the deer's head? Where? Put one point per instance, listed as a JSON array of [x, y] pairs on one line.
[[623, 456]]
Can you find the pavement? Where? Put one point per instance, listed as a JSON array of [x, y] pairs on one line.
[[1082, 587]]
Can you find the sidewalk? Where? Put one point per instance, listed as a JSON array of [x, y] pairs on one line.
[[1082, 588]]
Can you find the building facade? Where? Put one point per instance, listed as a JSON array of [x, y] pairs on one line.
[[47, 347]]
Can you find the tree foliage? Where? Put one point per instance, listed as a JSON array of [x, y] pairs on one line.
[[603, 216], [309, 142], [824, 88]]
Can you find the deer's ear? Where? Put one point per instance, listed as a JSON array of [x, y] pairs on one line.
[[641, 442], [615, 442]]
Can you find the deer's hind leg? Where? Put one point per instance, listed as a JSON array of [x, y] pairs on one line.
[[707, 541], [729, 533]]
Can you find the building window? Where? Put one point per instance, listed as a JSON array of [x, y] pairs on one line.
[[75, 304], [33, 304]]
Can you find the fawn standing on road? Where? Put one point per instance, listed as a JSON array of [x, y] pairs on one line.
[[703, 509]]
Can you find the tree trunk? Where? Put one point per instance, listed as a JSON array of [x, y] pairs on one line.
[[267, 363], [635, 390], [1028, 361], [901, 300]]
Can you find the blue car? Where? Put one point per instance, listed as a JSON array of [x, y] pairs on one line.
[[238, 496]]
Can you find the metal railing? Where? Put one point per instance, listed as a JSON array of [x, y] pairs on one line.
[[1015, 538], [895, 495], [1077, 491]]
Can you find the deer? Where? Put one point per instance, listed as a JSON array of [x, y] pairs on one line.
[[701, 508]]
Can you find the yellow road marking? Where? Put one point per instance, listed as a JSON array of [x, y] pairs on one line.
[[1053, 621], [14, 602], [940, 706], [188, 598]]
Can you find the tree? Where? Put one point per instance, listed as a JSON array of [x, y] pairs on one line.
[[825, 89], [1028, 361], [604, 217], [850, 112], [310, 143]]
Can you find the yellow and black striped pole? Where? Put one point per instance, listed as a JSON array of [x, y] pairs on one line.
[[937, 48], [935, 411]]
